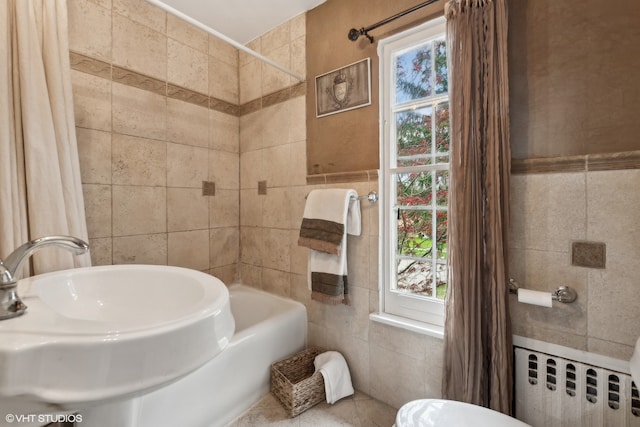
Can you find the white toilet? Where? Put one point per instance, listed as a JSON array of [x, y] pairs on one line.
[[444, 413]]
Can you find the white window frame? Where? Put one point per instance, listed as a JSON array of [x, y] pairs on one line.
[[420, 314]]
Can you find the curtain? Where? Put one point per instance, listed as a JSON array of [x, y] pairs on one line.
[[478, 360], [40, 187]]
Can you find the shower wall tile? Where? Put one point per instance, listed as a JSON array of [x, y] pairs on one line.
[[223, 51], [276, 249], [224, 132], [224, 209], [189, 249], [94, 150], [138, 112], [139, 161], [275, 212], [252, 245], [251, 131], [277, 127], [101, 251], [276, 38], [223, 80], [187, 67], [187, 209], [276, 281], [97, 200], [143, 13], [250, 80], [187, 166], [139, 210], [187, 123], [272, 78], [187, 34], [142, 249], [251, 169], [224, 246], [224, 169], [91, 32], [91, 101], [139, 48], [277, 165]]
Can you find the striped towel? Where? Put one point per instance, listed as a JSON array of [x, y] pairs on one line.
[[329, 215]]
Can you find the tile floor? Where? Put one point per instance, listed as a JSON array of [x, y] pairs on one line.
[[358, 410]]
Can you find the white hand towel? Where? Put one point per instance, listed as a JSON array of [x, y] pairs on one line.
[[334, 370]]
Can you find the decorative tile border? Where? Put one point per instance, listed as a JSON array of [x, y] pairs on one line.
[[98, 68], [342, 177], [590, 162]]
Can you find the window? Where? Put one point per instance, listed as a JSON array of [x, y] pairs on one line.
[[414, 178]]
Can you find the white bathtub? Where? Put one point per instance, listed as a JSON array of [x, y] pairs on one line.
[[268, 328]]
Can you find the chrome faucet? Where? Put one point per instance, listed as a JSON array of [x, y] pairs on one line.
[[10, 303]]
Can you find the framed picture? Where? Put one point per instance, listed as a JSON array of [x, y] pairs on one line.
[[344, 89]]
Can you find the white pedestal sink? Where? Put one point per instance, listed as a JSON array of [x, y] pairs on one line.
[[100, 334]]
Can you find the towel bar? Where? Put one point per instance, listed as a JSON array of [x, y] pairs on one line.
[[563, 294], [371, 197]]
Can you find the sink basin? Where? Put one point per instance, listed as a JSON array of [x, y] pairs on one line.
[[98, 333]]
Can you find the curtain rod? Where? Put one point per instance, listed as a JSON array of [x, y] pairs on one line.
[[221, 36], [354, 34]]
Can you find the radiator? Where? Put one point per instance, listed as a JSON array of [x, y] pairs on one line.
[[554, 391]]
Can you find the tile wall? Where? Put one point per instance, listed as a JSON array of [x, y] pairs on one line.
[[161, 107], [156, 106]]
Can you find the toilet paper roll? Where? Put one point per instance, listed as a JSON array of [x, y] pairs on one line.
[[528, 296]]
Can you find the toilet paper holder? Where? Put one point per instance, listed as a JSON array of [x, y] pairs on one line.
[[563, 294]]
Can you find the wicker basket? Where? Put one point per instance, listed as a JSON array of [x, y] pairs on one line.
[[295, 384]]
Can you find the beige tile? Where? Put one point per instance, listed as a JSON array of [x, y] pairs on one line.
[[187, 166], [252, 245], [187, 34], [101, 251], [351, 321], [139, 210], [142, 12], [277, 165], [187, 123], [187, 67], [228, 274], [224, 246], [272, 78], [548, 211], [251, 275], [276, 249], [611, 214], [89, 29], [139, 48], [610, 349], [251, 208], [276, 38], [91, 101], [358, 256], [94, 151], [142, 249], [189, 249], [399, 385], [187, 209], [223, 80], [299, 254], [224, 169], [251, 131], [250, 81], [357, 354], [298, 26], [104, 3], [97, 202], [276, 282], [298, 167], [341, 413], [613, 302], [275, 211], [223, 51], [138, 112], [224, 132], [375, 413], [224, 209], [251, 169], [277, 127], [138, 161]]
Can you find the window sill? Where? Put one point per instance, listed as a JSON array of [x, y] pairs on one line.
[[409, 324]]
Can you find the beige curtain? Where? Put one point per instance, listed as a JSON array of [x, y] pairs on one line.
[[40, 188], [478, 355]]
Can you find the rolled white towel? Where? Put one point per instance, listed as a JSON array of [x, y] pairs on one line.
[[337, 379]]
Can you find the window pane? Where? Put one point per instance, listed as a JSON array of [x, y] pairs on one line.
[[442, 188], [441, 234], [413, 133], [414, 74], [442, 80], [414, 189], [442, 129], [415, 233], [417, 277]]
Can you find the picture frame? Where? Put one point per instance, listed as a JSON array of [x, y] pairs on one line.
[[344, 88]]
